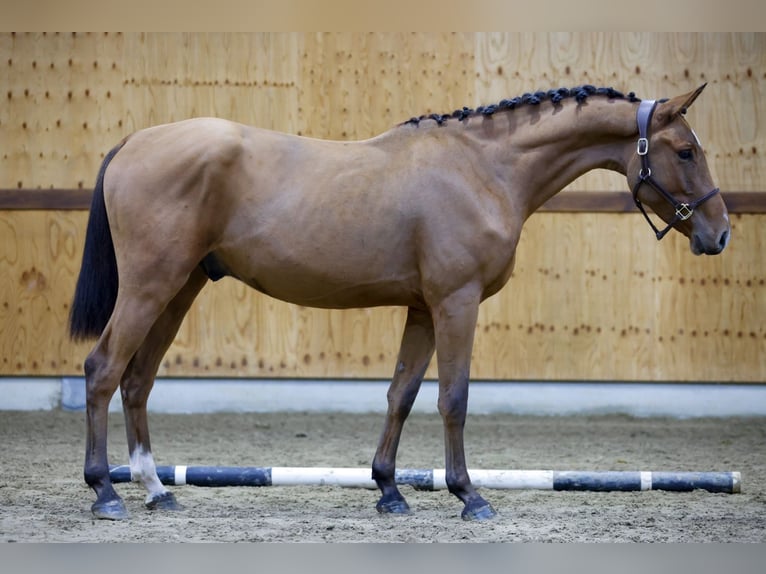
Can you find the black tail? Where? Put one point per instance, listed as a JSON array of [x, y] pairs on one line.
[[96, 290]]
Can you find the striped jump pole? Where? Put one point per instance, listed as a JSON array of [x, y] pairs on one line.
[[434, 479]]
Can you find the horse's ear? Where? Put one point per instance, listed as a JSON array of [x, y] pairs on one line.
[[678, 105]]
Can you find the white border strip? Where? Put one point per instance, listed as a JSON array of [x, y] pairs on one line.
[[682, 400], [30, 394]]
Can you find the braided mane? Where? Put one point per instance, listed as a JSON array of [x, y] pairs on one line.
[[579, 93]]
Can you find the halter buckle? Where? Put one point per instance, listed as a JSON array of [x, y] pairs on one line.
[[645, 173], [643, 146], [684, 211]]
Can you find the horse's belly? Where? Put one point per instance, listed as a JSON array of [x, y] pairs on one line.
[[317, 291], [340, 282]]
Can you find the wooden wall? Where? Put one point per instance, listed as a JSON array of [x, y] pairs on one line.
[[593, 297]]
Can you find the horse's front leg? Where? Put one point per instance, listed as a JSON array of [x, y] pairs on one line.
[[455, 322], [415, 353]]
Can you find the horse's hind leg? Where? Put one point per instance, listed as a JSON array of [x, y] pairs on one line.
[[136, 385], [136, 310], [415, 353]]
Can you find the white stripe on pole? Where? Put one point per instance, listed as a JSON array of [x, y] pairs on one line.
[[346, 477], [513, 479], [180, 474], [646, 480]]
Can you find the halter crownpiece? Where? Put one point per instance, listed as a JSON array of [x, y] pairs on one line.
[[683, 211]]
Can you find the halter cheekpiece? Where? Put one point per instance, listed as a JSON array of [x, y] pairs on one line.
[[683, 211]]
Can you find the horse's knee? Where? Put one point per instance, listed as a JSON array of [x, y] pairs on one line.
[[400, 401], [452, 408]]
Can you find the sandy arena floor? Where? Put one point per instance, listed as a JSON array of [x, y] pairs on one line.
[[43, 497]]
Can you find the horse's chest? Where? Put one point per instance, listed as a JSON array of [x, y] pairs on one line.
[[501, 273]]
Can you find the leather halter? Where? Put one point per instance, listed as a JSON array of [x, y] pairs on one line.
[[683, 210]]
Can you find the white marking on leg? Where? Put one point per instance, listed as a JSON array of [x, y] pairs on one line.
[[143, 469]]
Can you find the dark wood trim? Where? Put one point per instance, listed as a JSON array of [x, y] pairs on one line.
[[566, 202], [745, 201], [45, 199], [622, 202]]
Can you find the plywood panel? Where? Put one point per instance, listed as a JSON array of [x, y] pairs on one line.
[[69, 97], [249, 78], [357, 85], [727, 118], [593, 296], [39, 256], [62, 109], [596, 297]]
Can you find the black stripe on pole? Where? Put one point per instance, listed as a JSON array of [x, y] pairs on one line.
[[418, 479], [605, 481], [204, 475], [122, 474], [688, 481], [227, 476]]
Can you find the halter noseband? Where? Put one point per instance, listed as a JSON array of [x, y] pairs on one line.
[[683, 210]]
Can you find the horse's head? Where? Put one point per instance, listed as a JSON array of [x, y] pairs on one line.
[[670, 174]]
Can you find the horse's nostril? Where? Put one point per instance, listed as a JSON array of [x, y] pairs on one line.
[[724, 239]]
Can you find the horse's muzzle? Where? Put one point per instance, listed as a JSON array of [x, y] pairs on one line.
[[710, 246]]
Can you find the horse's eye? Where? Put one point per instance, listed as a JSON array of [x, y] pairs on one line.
[[685, 154]]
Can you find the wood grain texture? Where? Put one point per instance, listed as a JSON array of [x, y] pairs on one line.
[[593, 297], [728, 117], [68, 98], [39, 257]]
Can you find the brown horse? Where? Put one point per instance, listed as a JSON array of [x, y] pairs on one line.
[[427, 215]]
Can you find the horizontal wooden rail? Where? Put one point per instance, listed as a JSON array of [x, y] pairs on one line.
[[622, 202], [566, 202], [46, 199]]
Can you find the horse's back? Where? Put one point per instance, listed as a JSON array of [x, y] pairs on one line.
[[178, 151], [247, 159], [311, 221], [315, 222], [209, 169]]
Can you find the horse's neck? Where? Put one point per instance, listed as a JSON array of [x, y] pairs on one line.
[[540, 150]]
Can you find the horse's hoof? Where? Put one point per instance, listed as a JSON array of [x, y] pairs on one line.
[[480, 513], [393, 506], [110, 510], [164, 501]]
